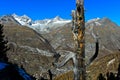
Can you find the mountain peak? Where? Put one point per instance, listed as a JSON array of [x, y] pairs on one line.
[[26, 17], [14, 14], [105, 19], [93, 20], [23, 20], [57, 18]]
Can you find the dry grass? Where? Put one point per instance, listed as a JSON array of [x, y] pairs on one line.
[[100, 66], [65, 76]]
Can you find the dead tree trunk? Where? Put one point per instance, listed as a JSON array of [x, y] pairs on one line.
[[78, 30], [80, 25]]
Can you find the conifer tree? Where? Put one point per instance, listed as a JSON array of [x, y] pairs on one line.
[[3, 46]]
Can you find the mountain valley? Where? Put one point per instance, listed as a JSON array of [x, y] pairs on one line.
[[34, 43]]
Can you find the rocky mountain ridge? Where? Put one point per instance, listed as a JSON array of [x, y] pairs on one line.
[[40, 25]]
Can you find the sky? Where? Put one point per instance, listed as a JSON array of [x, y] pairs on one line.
[[42, 9]]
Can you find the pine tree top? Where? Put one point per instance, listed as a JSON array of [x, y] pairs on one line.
[[3, 45]]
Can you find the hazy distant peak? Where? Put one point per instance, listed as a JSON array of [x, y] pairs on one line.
[[14, 15], [105, 19], [25, 16], [57, 18]]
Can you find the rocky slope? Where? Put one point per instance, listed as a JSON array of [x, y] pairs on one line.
[[27, 48], [24, 37]]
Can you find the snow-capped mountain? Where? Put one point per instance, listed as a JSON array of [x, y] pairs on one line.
[[23, 20], [41, 25], [92, 22]]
